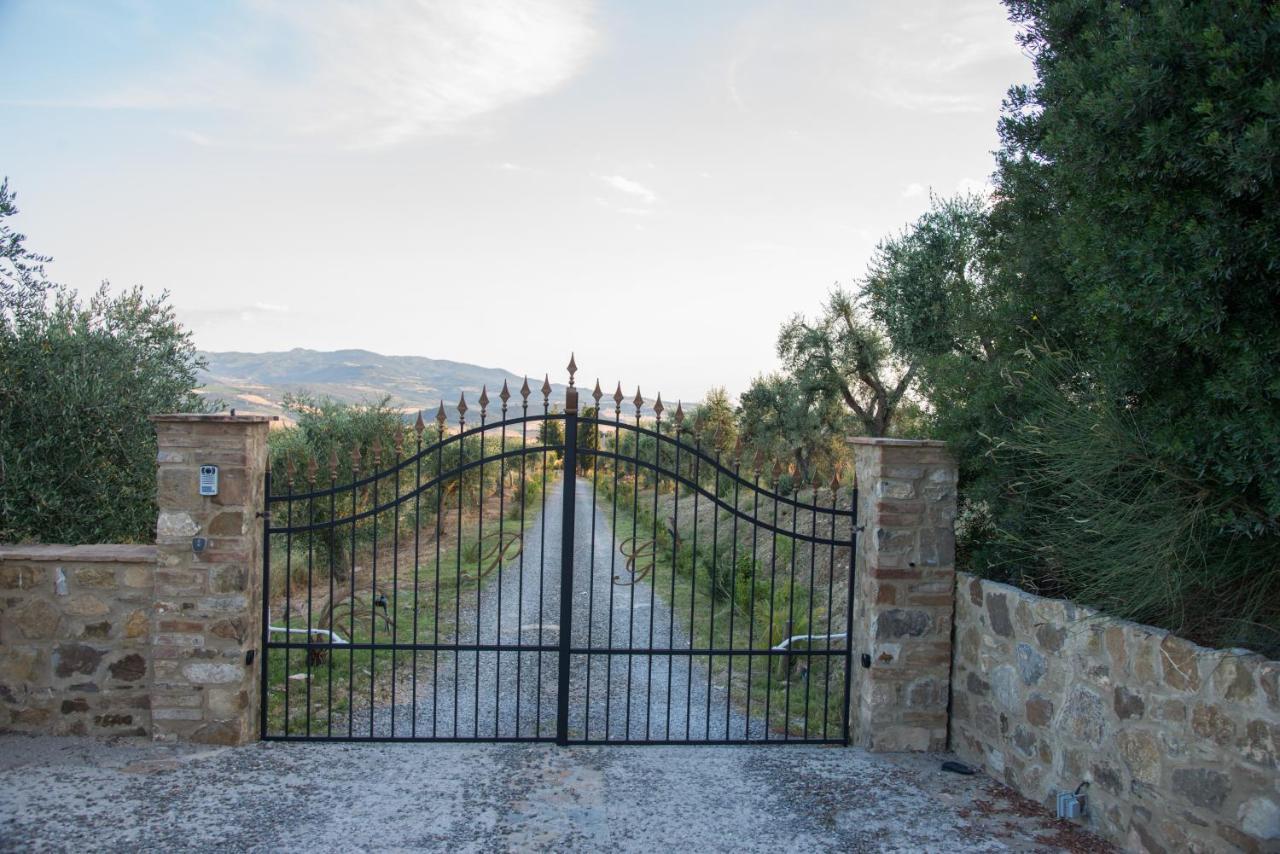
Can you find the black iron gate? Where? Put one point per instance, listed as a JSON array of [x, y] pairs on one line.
[[678, 594]]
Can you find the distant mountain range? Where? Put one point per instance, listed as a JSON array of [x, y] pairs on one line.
[[257, 382]]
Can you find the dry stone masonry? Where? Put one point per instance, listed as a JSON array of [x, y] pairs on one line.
[[147, 640], [1179, 743], [75, 630]]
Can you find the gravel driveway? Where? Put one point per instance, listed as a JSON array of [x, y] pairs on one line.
[[85, 794], [502, 695]]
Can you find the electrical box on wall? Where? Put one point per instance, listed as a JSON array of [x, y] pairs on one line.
[[208, 480]]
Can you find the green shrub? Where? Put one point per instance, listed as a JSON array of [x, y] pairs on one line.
[[78, 380]]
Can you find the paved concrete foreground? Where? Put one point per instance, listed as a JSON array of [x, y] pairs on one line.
[[77, 794]]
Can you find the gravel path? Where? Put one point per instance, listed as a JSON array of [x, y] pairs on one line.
[[509, 694]]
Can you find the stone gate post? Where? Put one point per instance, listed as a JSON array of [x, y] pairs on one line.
[[207, 613], [904, 594]]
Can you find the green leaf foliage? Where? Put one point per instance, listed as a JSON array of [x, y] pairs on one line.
[[78, 380]]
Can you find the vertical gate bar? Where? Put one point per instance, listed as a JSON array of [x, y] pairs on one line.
[[653, 568], [566, 558], [439, 534], [417, 569], [457, 586], [711, 584], [475, 719], [542, 555], [351, 606], [502, 513], [751, 610], [693, 590], [288, 591], [733, 591], [333, 553], [848, 609], [395, 584], [813, 557], [311, 545], [524, 448], [631, 588], [591, 574], [373, 591], [791, 616], [773, 578], [671, 603], [613, 551], [266, 606], [831, 584]]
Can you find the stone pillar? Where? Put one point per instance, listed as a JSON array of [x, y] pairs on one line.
[[904, 594], [206, 619]]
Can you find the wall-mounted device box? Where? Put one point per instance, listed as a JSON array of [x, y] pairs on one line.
[[208, 480]]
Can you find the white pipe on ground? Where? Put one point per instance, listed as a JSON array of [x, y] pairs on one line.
[[333, 637], [787, 643]]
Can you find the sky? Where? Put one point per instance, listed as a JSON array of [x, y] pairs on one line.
[[656, 186]]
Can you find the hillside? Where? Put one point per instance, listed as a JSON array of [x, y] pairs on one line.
[[257, 382]]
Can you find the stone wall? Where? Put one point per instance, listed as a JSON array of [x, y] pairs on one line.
[[1179, 743], [75, 626], [148, 640]]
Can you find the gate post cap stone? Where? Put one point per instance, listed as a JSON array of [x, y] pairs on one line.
[[886, 442]]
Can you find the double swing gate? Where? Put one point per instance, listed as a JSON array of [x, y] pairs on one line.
[[555, 576]]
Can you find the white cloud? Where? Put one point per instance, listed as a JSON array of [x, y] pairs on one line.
[[373, 73], [634, 188], [913, 190]]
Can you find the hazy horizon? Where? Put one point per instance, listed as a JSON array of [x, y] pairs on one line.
[[656, 187]]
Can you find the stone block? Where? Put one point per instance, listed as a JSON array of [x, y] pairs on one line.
[[76, 659], [1202, 787], [37, 620], [22, 577]]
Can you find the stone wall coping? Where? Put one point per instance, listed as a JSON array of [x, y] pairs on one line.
[[1084, 613], [95, 553], [883, 442], [209, 418]]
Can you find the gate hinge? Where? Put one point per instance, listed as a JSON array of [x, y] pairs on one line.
[[263, 514]]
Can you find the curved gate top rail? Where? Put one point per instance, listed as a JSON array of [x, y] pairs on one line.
[[555, 576]]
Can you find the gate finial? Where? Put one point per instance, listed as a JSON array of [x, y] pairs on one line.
[[333, 462], [573, 369], [679, 416], [484, 400], [639, 401], [419, 425], [311, 469], [524, 390], [504, 395], [462, 407], [617, 397], [355, 460], [546, 387], [597, 394], [441, 418]]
